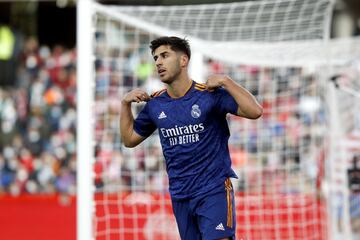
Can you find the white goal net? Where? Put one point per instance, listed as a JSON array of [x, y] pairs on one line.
[[289, 183]]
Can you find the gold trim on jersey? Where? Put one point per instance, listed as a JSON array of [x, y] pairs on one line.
[[158, 93], [200, 87], [228, 188]]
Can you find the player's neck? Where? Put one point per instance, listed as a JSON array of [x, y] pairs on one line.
[[179, 87]]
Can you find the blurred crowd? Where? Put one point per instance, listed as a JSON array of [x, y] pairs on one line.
[[37, 122], [281, 152]]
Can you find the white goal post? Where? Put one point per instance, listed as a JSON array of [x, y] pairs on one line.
[[85, 100], [287, 162]]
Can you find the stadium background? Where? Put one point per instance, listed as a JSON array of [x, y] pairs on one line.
[[38, 115]]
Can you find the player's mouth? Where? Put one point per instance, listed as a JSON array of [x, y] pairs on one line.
[[161, 71]]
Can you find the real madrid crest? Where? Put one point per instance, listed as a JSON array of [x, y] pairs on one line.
[[195, 111]]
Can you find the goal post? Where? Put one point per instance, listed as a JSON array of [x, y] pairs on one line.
[[85, 124], [280, 51]]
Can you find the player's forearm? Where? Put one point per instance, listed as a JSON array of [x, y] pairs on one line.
[[126, 124], [248, 106]]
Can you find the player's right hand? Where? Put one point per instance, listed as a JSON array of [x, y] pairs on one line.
[[136, 95]]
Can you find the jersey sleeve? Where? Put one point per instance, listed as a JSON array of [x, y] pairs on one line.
[[224, 102], [143, 124]]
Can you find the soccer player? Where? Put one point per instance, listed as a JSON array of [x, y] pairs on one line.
[[191, 119]]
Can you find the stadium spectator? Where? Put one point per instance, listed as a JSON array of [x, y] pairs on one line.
[[37, 123]]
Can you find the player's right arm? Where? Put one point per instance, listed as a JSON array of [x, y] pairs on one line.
[[128, 136]]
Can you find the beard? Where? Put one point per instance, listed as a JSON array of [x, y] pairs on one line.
[[171, 74]]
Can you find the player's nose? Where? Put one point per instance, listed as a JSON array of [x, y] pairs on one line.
[[158, 62]]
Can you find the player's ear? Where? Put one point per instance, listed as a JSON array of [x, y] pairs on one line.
[[184, 60]]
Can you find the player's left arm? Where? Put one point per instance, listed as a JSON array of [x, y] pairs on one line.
[[248, 106]]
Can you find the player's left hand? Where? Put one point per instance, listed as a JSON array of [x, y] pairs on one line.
[[215, 81]]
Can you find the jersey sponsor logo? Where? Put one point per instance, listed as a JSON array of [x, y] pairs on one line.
[[162, 115], [183, 134], [195, 111], [220, 227], [182, 130]]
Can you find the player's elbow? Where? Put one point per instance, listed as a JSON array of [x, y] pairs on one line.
[[126, 141], [129, 144], [256, 112], [131, 139]]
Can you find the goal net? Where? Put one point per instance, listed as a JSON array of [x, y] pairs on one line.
[[292, 183], [345, 92]]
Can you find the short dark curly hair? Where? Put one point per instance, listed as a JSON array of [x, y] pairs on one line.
[[175, 43]]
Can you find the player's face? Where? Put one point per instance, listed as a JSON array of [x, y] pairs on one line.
[[167, 63]]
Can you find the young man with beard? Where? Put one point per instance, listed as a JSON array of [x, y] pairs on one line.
[[191, 119]]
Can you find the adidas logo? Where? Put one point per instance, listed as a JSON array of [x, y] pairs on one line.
[[162, 115], [220, 227]]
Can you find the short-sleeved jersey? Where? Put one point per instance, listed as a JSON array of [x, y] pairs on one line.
[[194, 136]]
